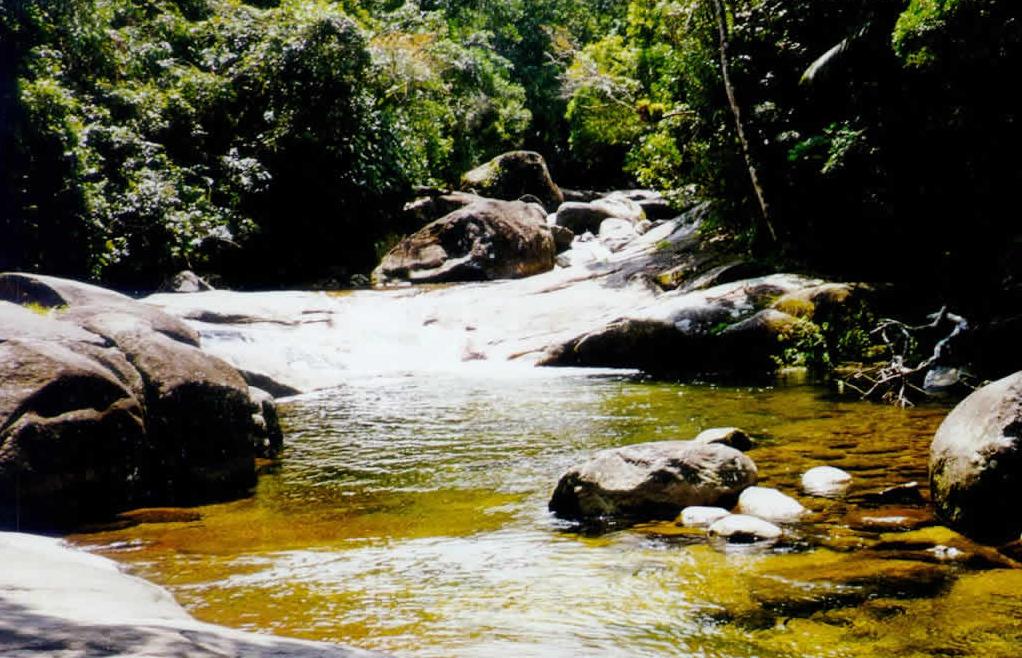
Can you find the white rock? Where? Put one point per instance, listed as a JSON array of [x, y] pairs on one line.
[[698, 516], [769, 504], [744, 529], [616, 233], [825, 481], [619, 205]]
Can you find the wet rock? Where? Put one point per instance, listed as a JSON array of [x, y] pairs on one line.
[[770, 504], [161, 515], [825, 481], [651, 481], [888, 519], [744, 529], [512, 175], [941, 545], [698, 516], [269, 437], [486, 240], [754, 342], [728, 436], [976, 462], [184, 282]]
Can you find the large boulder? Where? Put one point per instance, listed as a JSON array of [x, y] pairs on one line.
[[513, 175], [652, 481], [106, 403], [976, 462], [588, 216], [488, 239]]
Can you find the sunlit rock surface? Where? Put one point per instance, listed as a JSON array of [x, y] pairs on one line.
[[60, 602]]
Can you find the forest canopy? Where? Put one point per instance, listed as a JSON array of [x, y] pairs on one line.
[[274, 142]]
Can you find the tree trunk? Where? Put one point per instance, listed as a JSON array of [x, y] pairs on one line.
[[729, 90]]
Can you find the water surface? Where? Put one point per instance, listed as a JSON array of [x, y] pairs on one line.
[[408, 514]]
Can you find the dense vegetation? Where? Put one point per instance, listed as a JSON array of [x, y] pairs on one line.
[[275, 141]]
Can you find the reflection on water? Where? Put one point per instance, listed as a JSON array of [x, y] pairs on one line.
[[409, 515]]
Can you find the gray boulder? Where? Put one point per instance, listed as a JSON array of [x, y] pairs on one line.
[[185, 281], [488, 239], [652, 481], [976, 462], [513, 175], [106, 403]]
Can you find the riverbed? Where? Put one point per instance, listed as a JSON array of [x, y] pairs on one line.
[[408, 514]]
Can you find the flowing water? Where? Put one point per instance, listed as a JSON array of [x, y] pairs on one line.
[[408, 514], [408, 511]]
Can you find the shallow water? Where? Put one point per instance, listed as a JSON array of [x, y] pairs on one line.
[[408, 514]]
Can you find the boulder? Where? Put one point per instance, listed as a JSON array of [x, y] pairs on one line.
[[488, 239], [185, 281], [825, 481], [106, 403], [652, 481], [976, 462], [563, 237], [580, 217], [617, 233], [619, 206], [770, 504], [512, 175], [744, 529]]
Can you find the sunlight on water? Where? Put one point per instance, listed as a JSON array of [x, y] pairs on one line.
[[409, 515]]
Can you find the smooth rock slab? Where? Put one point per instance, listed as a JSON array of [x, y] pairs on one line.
[[56, 601], [770, 504], [652, 481], [825, 481]]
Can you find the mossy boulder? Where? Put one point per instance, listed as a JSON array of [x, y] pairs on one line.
[[511, 176]]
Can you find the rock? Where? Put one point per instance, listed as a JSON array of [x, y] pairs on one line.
[[59, 601], [744, 529], [107, 404], [512, 175], [755, 342], [616, 233], [426, 209], [728, 436], [184, 282], [584, 196], [270, 440], [160, 515], [652, 481], [976, 462], [486, 240], [889, 519], [825, 481], [698, 516], [619, 206], [563, 237], [899, 494], [69, 296], [580, 217], [769, 504], [72, 434]]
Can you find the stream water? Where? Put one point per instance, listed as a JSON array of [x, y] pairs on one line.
[[408, 514]]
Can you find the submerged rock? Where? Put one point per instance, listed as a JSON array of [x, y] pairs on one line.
[[513, 175], [976, 462], [651, 481], [58, 601], [770, 504], [889, 519], [488, 239], [825, 481]]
